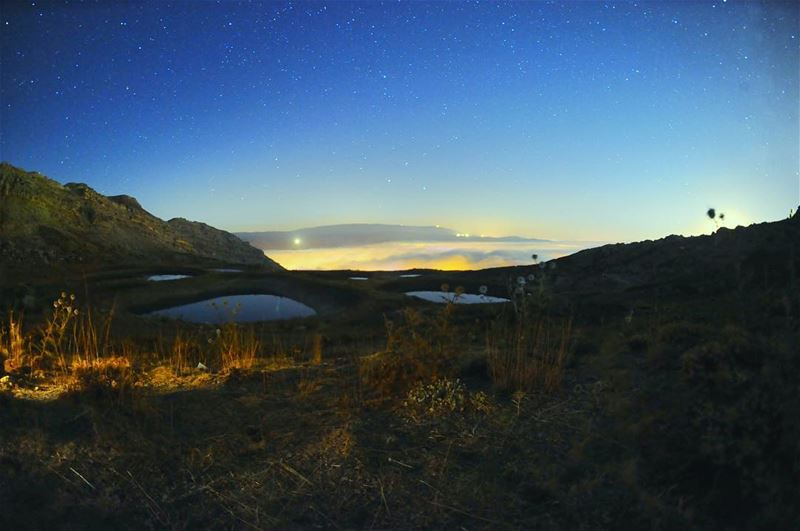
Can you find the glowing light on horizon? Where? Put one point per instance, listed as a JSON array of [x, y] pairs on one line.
[[395, 256]]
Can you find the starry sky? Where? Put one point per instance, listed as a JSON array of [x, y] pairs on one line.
[[564, 120]]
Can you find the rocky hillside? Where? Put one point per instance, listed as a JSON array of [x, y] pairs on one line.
[[45, 223], [762, 256]]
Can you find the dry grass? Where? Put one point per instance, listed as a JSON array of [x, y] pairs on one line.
[[237, 346], [179, 354], [109, 378], [13, 345], [529, 354], [418, 348]]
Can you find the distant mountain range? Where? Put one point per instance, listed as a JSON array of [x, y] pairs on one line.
[[355, 234], [45, 223]]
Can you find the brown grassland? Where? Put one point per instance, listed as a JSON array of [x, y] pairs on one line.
[[560, 411]]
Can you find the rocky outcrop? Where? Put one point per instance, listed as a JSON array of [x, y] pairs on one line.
[[763, 253], [43, 222]]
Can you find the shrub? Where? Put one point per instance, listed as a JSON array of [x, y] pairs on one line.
[[725, 428], [103, 378], [440, 397], [418, 349]]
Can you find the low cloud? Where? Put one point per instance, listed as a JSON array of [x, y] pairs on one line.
[[433, 255]]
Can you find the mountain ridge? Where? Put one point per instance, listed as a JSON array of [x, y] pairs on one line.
[[352, 234], [43, 222]]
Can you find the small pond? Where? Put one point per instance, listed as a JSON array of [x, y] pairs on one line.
[[162, 278], [464, 298], [411, 275], [359, 278], [238, 308], [226, 270]]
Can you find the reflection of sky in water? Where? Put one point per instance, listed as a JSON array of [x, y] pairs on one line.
[[239, 308], [435, 255], [163, 278], [464, 298]]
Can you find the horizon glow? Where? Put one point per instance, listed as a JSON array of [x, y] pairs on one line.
[[615, 121], [398, 256]]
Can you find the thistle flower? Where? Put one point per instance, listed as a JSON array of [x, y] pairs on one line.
[[72, 296], [483, 290], [445, 287], [535, 257], [521, 281], [531, 277], [63, 294]]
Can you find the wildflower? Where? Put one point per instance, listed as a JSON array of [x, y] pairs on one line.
[[483, 290], [542, 265], [72, 296], [535, 257], [445, 287], [218, 332], [531, 277], [75, 311], [521, 281], [63, 294]]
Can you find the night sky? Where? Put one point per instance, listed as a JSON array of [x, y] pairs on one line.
[[581, 120]]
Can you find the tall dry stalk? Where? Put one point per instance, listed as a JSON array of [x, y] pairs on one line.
[[529, 354], [316, 350], [91, 341], [238, 346], [179, 354], [13, 345]]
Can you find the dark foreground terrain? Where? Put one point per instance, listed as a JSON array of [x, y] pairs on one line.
[[644, 386]]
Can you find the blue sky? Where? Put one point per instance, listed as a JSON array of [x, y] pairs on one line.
[[563, 120]]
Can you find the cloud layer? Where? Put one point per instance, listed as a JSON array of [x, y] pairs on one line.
[[434, 255]]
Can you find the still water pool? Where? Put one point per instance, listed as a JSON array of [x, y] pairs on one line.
[[238, 308], [464, 298]]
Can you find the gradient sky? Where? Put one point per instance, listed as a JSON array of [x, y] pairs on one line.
[[574, 120]]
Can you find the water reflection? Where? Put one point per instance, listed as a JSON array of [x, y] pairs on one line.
[[238, 308], [162, 278], [465, 298]]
